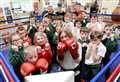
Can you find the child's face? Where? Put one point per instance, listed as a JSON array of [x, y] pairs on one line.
[[58, 22], [58, 29], [41, 29], [78, 24], [45, 22], [93, 19], [32, 20], [41, 40], [74, 16], [95, 41], [67, 18], [16, 40], [83, 34], [31, 57], [22, 34], [100, 19], [108, 31]]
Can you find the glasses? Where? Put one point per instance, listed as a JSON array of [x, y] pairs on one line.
[[16, 40]]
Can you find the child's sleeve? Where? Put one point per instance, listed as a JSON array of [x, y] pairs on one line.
[[101, 51], [79, 51]]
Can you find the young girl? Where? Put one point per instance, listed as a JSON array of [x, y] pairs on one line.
[[33, 64], [43, 47], [94, 54], [69, 54], [16, 54], [21, 31]]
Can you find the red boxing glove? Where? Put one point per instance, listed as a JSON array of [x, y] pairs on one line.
[[27, 68], [42, 64], [46, 53], [73, 46], [60, 50]]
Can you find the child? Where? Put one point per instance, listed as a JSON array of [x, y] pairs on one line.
[[31, 29], [43, 46], [67, 20], [69, 54], [41, 28], [83, 39], [16, 54], [111, 45], [32, 64], [100, 21], [94, 25], [94, 54], [23, 35], [50, 33], [77, 27]]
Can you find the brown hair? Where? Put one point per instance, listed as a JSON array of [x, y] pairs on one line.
[[96, 34], [20, 29]]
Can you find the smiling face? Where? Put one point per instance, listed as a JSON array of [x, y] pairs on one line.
[[31, 55], [40, 38], [16, 40]]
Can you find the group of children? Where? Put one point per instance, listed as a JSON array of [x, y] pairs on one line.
[[58, 40]]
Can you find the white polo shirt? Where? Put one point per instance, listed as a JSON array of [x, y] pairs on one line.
[[101, 51]]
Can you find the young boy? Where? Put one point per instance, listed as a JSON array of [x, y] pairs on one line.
[[83, 40], [111, 45], [94, 54], [16, 54], [31, 28], [21, 31]]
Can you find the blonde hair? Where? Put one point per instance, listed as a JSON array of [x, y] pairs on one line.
[[39, 34], [30, 49]]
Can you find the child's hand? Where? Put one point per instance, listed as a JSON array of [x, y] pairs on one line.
[[15, 48], [39, 49], [84, 45], [94, 46], [47, 46]]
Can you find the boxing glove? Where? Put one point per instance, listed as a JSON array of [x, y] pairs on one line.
[[60, 50], [48, 52], [27, 69], [42, 64], [72, 46]]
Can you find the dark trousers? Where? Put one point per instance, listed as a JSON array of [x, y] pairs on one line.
[[91, 70]]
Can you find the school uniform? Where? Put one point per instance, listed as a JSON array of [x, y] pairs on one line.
[[111, 45], [16, 58], [92, 66], [31, 30]]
